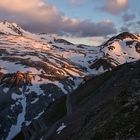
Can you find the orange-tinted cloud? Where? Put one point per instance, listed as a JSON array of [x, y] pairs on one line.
[[19, 5]]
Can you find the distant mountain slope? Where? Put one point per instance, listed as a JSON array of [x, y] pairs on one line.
[[118, 50], [52, 76], [38, 69]]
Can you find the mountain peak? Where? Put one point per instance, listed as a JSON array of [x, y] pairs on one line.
[[7, 27], [5, 22], [125, 35]]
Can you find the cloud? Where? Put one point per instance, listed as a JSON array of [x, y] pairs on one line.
[[37, 16], [138, 22], [88, 28], [124, 29], [132, 26], [20, 5], [128, 17], [114, 6]]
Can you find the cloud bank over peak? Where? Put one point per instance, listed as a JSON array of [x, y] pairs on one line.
[[38, 16]]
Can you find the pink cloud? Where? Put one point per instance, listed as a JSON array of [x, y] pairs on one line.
[[114, 6], [37, 16], [19, 5]]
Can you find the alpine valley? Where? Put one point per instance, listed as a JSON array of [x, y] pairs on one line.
[[68, 87]]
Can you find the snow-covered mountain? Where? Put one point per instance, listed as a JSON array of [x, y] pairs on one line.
[[56, 68], [10, 28], [118, 50]]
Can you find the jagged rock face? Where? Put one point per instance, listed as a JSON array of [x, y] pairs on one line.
[[57, 68], [137, 47]]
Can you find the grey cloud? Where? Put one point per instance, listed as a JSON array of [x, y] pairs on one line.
[[124, 29], [138, 22], [82, 29], [132, 26], [128, 17], [87, 28]]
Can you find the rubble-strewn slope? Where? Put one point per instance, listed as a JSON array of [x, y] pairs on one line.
[[106, 107]]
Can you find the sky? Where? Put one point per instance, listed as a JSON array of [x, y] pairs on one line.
[[88, 22]]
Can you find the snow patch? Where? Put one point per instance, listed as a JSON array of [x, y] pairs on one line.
[[61, 128], [15, 129]]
